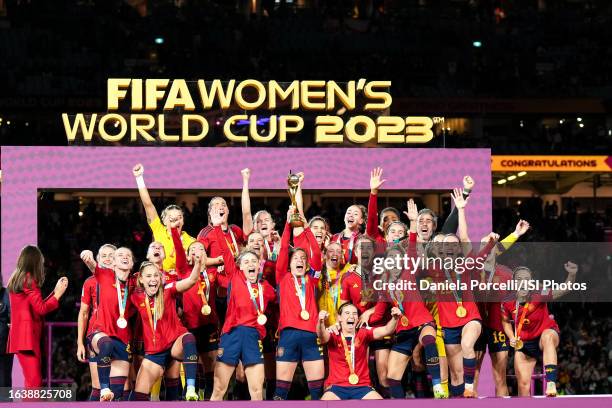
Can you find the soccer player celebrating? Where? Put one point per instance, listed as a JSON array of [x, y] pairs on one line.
[[460, 320], [28, 309], [110, 335], [87, 315], [347, 347], [416, 326], [493, 335], [298, 310], [171, 217], [354, 218], [245, 320], [330, 284], [267, 272], [165, 337], [199, 309], [535, 333]]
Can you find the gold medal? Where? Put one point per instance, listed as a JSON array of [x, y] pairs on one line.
[[353, 379], [305, 315], [262, 319], [461, 311], [206, 310], [404, 321], [518, 344]]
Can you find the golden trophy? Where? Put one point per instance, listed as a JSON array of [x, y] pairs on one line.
[[293, 182]]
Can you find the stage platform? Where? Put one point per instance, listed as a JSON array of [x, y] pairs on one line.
[[514, 402]]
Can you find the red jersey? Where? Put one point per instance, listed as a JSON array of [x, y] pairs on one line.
[[206, 288], [233, 238], [241, 310], [351, 291], [289, 301], [108, 304], [89, 297], [158, 336], [339, 370], [372, 229], [448, 310], [537, 318]]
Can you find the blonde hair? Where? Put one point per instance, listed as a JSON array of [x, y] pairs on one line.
[[30, 262], [159, 296]]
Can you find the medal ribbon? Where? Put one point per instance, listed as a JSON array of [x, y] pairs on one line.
[[233, 246], [121, 302], [397, 301], [204, 290], [518, 325], [301, 291], [349, 355], [258, 310], [152, 315], [456, 293]]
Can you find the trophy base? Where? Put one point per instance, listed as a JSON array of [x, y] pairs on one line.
[[296, 221]]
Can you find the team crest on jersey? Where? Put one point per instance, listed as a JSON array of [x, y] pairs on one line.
[[220, 352], [280, 351]]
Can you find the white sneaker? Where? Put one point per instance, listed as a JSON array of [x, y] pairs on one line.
[[191, 394], [106, 394]]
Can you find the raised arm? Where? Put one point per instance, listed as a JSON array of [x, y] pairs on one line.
[[245, 200], [314, 254], [376, 181], [452, 221], [521, 228], [182, 267], [187, 283], [571, 269], [88, 259], [150, 210], [388, 329], [282, 262]]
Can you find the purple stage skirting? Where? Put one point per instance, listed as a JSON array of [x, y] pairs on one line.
[[534, 402]]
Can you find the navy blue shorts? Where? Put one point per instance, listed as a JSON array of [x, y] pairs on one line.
[[452, 335], [496, 340], [384, 344], [531, 348], [350, 393], [241, 344], [161, 359], [207, 338], [406, 340], [298, 345], [121, 351]]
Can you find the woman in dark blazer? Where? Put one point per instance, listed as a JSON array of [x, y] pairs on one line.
[[28, 310]]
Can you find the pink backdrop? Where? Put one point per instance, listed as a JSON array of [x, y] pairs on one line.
[[26, 169]]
